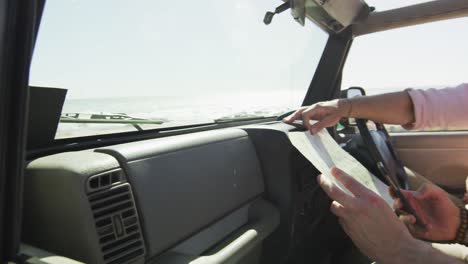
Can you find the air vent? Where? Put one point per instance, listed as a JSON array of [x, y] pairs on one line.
[[105, 180], [117, 224]]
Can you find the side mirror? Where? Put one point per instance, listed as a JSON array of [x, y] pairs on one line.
[[350, 93], [353, 92]]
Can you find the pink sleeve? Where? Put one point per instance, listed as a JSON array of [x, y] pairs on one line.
[[440, 108]]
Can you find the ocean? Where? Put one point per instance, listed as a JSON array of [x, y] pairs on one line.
[[175, 110]]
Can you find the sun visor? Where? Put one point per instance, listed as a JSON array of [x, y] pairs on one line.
[[331, 15]]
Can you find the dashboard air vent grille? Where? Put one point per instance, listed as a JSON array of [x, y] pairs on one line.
[[105, 180], [117, 224]]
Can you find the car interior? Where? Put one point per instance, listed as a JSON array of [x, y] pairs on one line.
[[234, 192]]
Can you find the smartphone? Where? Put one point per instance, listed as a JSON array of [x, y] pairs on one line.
[[406, 205]]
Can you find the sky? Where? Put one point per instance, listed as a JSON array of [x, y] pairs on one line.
[[119, 48], [423, 56], [145, 48]]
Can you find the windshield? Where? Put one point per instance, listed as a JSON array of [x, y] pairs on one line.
[[171, 63]]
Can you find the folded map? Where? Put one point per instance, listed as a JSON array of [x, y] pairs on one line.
[[324, 153]]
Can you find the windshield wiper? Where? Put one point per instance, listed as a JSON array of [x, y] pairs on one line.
[[241, 118], [119, 118]]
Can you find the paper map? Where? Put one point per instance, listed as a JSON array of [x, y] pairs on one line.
[[324, 153]]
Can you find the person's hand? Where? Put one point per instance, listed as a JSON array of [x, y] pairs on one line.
[[367, 219], [326, 113], [436, 210]]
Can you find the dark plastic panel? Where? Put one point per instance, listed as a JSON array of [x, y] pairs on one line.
[[45, 107]]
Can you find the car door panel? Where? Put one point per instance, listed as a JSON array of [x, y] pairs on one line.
[[439, 156]]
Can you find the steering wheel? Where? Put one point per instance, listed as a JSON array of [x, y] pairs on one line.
[[380, 147]]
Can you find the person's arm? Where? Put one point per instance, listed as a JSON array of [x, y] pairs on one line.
[[414, 109], [373, 226], [391, 108], [440, 108]]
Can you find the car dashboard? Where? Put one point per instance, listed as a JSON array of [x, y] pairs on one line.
[[219, 196]]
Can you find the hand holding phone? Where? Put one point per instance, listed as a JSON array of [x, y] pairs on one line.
[[397, 191]]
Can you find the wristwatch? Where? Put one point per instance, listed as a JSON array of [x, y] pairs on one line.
[[461, 236]]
